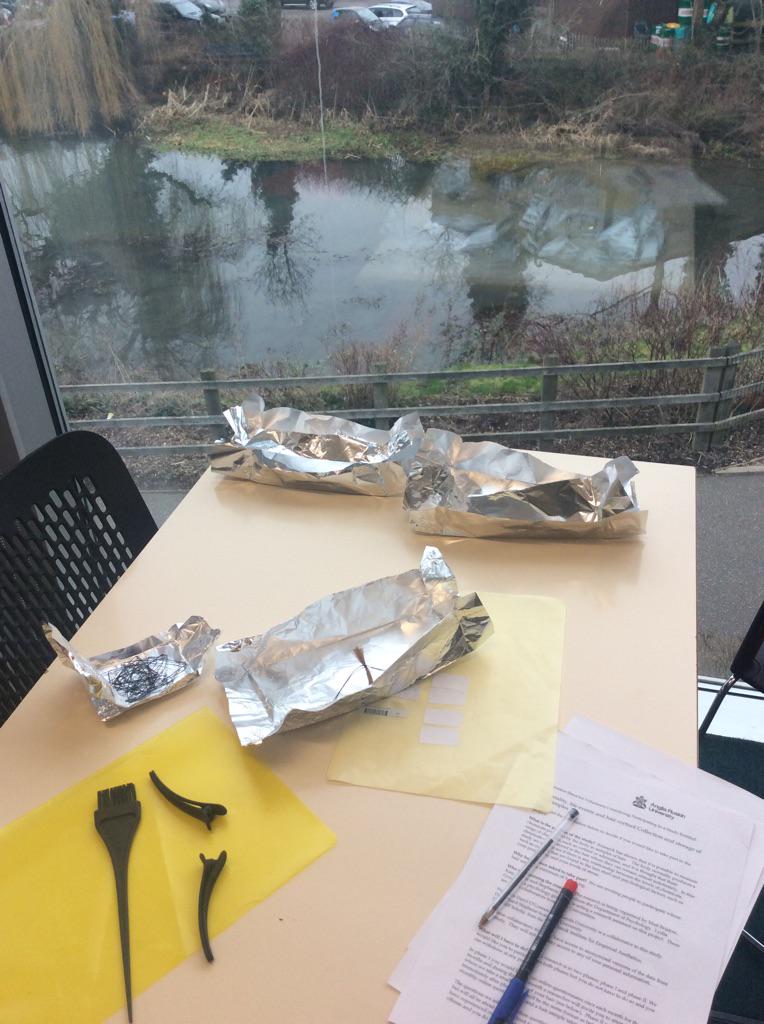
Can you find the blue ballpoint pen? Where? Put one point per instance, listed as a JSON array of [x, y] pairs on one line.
[[509, 1005]]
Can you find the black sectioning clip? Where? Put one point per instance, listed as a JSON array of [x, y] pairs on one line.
[[211, 868], [202, 811]]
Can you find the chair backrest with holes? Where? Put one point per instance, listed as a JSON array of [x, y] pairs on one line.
[[71, 521]]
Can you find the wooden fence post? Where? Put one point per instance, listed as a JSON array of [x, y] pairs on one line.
[[729, 374], [379, 397], [211, 400], [548, 394], [715, 379]]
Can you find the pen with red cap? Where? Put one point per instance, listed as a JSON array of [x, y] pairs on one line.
[[509, 1005]]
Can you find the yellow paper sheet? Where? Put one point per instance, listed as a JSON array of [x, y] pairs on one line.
[[59, 937], [482, 730]]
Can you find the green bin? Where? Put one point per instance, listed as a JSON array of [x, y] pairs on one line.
[[723, 40]]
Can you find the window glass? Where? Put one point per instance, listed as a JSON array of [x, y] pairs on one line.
[[248, 189]]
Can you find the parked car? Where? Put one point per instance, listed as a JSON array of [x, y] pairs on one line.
[[311, 5], [190, 11], [415, 22], [179, 10], [358, 15], [215, 8], [393, 14]]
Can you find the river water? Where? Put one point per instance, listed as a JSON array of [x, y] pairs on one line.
[[152, 264]]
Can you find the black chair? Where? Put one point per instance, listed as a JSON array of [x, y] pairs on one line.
[[747, 665], [740, 996], [71, 521]]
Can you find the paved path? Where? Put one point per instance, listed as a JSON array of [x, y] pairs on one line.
[[730, 564], [730, 529]]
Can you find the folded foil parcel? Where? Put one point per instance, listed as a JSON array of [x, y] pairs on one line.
[[123, 679], [350, 649], [459, 488], [299, 449]]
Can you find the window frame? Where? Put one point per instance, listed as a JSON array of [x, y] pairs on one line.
[[31, 409]]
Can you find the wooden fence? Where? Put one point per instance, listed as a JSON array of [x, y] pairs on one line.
[[713, 404]]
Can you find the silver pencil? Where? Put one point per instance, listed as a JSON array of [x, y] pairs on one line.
[[570, 817]]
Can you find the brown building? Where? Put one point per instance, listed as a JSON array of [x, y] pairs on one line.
[[611, 19]]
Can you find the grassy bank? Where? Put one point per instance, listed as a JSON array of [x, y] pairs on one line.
[[207, 124], [382, 97], [491, 150], [234, 136]]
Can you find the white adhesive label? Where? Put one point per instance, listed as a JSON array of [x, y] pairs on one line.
[[443, 716], [449, 689], [410, 693], [439, 735]]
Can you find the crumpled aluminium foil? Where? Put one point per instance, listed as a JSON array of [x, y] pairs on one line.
[[151, 668], [350, 649], [298, 449], [458, 488]]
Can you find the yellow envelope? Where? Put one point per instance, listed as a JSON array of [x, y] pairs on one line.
[[482, 730], [59, 937]]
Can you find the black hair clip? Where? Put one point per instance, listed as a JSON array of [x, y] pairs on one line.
[[211, 868], [202, 811]]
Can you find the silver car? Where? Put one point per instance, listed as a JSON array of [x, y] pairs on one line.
[[392, 15], [180, 10], [215, 8]]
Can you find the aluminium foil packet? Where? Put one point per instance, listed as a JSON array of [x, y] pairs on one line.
[[291, 448], [459, 488], [151, 668], [349, 649]]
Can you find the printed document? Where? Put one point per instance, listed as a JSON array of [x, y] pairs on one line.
[[645, 937], [696, 783]]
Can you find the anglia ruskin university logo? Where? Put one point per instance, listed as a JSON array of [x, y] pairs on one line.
[[640, 802]]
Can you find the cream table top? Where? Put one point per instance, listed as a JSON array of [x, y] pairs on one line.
[[246, 557]]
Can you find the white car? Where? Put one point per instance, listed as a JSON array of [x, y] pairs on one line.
[[215, 8], [392, 15]]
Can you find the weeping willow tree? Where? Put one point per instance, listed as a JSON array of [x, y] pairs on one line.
[[64, 71]]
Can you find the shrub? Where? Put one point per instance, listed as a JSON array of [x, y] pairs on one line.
[[418, 77], [445, 79], [259, 25]]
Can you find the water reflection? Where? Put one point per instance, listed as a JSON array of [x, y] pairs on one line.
[[157, 264], [290, 244]]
